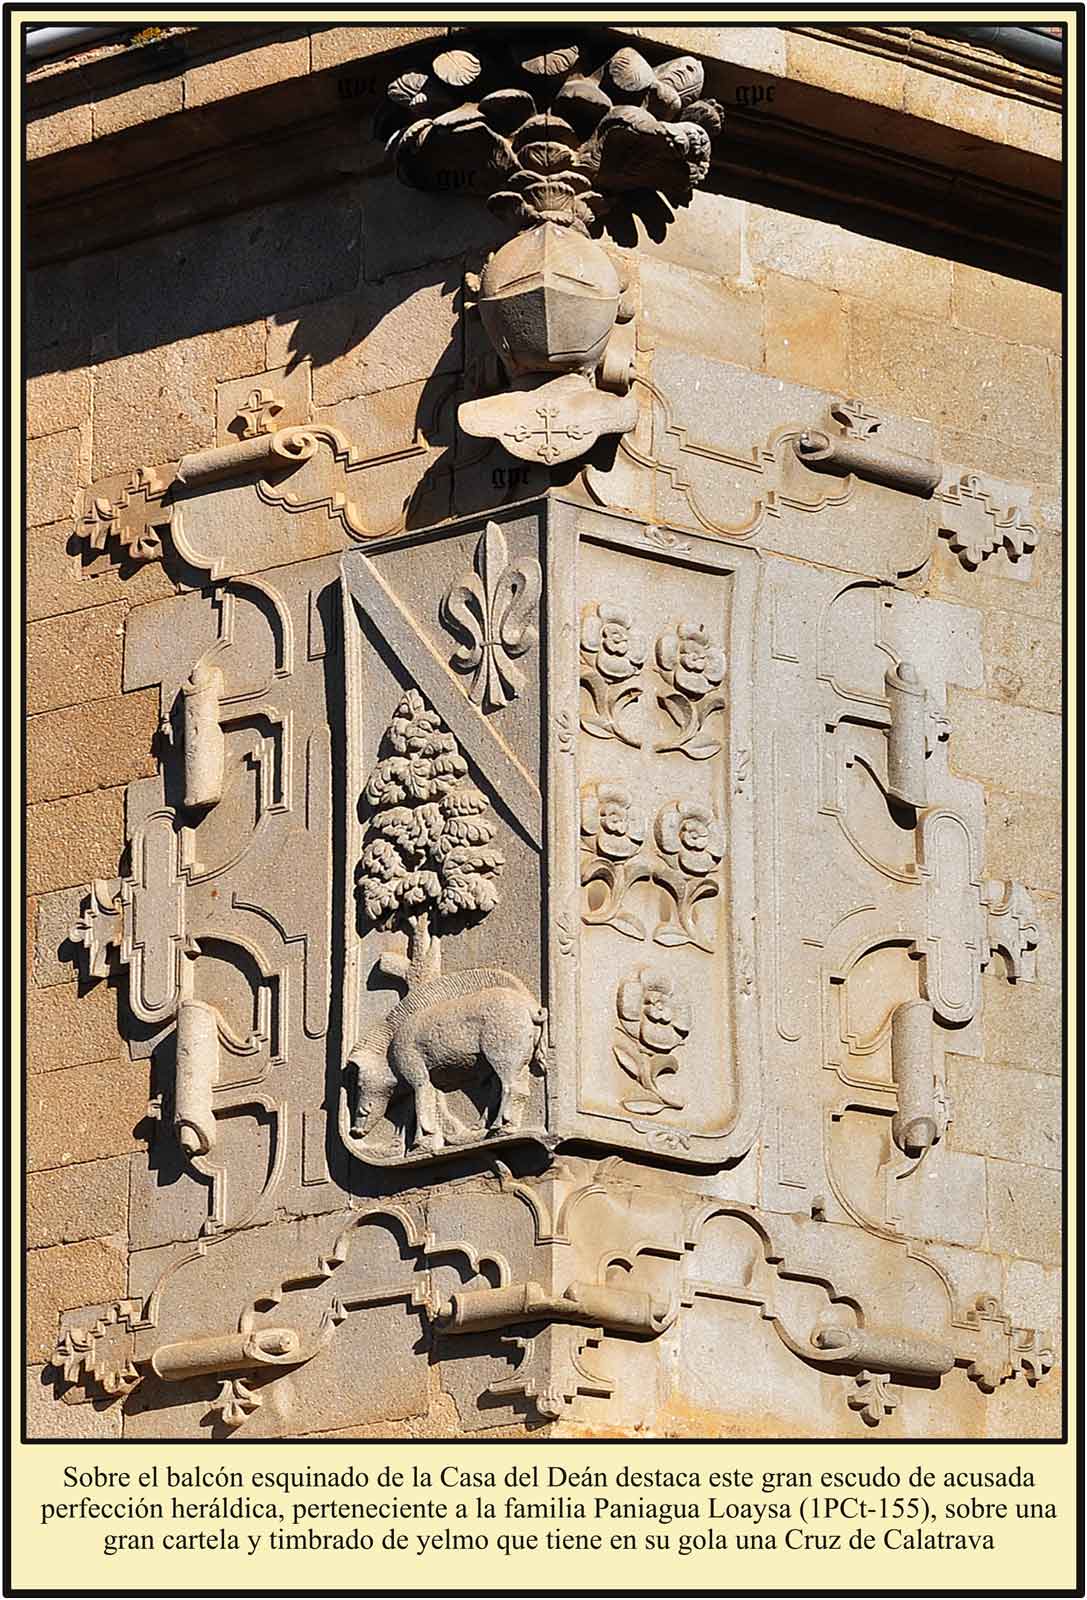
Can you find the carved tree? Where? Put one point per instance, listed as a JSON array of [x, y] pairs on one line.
[[428, 858]]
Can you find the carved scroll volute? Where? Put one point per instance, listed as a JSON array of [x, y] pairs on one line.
[[906, 734], [203, 743], [921, 1117], [856, 450], [197, 1046]]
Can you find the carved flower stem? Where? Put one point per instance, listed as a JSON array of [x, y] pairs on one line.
[[617, 879], [690, 717], [647, 1070], [609, 702], [686, 893], [654, 1021]]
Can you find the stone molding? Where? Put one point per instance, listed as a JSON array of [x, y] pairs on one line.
[[961, 60], [310, 136], [316, 470]]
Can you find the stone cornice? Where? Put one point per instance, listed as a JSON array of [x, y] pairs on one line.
[[288, 133], [958, 59]]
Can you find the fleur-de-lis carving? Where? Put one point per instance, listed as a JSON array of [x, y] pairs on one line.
[[258, 415], [491, 612], [234, 1402], [873, 1395]]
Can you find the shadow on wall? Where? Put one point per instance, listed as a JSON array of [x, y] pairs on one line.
[[283, 262], [324, 271]]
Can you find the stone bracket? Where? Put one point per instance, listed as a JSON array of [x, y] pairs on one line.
[[976, 526], [592, 1272]]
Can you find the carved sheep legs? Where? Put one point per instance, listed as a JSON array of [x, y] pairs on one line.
[[499, 1027], [511, 1055], [410, 1065]]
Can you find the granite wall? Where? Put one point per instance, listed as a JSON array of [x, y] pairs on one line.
[[350, 301]]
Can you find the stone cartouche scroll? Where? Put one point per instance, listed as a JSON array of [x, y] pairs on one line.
[[556, 930], [574, 1278], [553, 141], [220, 930], [881, 972], [856, 451], [538, 902], [205, 514], [831, 480]]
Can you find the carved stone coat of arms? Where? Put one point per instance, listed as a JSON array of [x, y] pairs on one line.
[[550, 840]]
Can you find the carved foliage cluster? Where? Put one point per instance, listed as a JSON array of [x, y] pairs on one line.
[[544, 136], [429, 848]]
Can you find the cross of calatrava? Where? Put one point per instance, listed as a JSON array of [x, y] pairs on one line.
[[546, 451]]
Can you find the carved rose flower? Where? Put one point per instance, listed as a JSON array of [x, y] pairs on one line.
[[651, 1011], [692, 833], [609, 819], [607, 635], [689, 657]]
